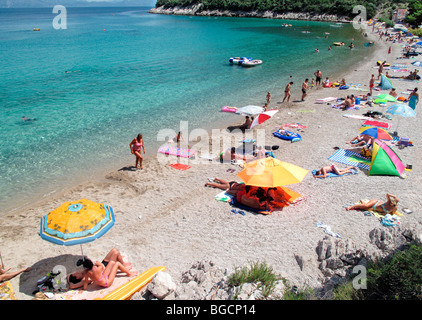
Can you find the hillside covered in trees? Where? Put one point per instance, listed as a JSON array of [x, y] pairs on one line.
[[331, 7]]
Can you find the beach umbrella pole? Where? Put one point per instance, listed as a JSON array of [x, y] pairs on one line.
[[2, 264], [397, 128]]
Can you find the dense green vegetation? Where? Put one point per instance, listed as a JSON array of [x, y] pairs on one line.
[[338, 7], [415, 12], [397, 279]]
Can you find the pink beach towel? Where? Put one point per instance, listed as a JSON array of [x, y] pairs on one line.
[[377, 124], [178, 152]]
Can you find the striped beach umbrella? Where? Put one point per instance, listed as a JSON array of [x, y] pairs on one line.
[[376, 132], [77, 222], [262, 117]]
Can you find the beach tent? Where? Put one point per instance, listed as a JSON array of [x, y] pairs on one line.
[[385, 161], [385, 83]]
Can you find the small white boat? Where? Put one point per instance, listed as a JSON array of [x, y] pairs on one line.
[[239, 60], [251, 63]]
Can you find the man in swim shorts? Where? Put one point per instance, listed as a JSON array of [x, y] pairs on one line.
[[287, 91], [305, 87], [318, 77], [371, 84]]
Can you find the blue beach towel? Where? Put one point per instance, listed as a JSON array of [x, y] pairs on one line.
[[333, 175], [351, 158]]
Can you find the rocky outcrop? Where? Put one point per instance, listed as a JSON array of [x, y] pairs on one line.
[[196, 10], [336, 260]]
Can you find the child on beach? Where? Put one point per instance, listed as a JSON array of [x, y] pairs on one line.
[[268, 98]]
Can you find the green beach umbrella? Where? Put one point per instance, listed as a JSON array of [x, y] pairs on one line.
[[387, 97]]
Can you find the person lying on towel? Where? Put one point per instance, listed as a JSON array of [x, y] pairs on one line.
[[323, 172]]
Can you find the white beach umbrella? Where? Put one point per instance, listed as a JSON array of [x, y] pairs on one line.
[[250, 110]]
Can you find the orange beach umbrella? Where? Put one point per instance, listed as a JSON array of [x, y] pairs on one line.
[[270, 173]]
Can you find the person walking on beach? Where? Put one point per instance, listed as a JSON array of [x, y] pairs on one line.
[[268, 98], [135, 148], [318, 77], [287, 91], [305, 87], [371, 84]]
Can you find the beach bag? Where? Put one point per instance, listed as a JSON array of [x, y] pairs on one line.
[[366, 153], [45, 284]]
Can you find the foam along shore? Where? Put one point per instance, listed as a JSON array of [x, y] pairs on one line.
[[166, 217]]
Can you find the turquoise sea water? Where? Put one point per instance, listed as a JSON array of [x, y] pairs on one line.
[[132, 72]]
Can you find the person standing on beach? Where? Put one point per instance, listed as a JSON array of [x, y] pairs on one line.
[[318, 77], [414, 99], [268, 98], [371, 84], [389, 50], [380, 69], [305, 87], [287, 91], [135, 148]]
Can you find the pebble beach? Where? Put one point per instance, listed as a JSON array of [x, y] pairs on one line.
[[166, 217]]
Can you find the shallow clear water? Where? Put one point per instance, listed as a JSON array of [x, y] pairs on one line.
[[131, 72]]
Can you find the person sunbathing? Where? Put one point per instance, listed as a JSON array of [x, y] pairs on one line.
[[362, 140], [230, 154], [6, 275], [101, 273], [347, 103], [387, 207], [324, 171], [231, 187]]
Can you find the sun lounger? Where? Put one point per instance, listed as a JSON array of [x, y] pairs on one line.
[[126, 291]]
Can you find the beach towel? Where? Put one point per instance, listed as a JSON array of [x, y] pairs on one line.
[[7, 292], [223, 196], [376, 213], [327, 229], [180, 166], [351, 158], [333, 174], [356, 86], [337, 106], [178, 152], [356, 116], [325, 100], [207, 156], [294, 125], [379, 124]]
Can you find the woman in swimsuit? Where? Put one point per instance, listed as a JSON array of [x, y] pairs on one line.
[[323, 172], [388, 207], [101, 275], [229, 186], [135, 148]]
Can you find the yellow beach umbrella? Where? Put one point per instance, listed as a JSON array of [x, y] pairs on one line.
[[76, 222], [270, 173]]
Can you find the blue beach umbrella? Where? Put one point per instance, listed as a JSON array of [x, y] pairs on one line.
[[402, 110], [77, 222]]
